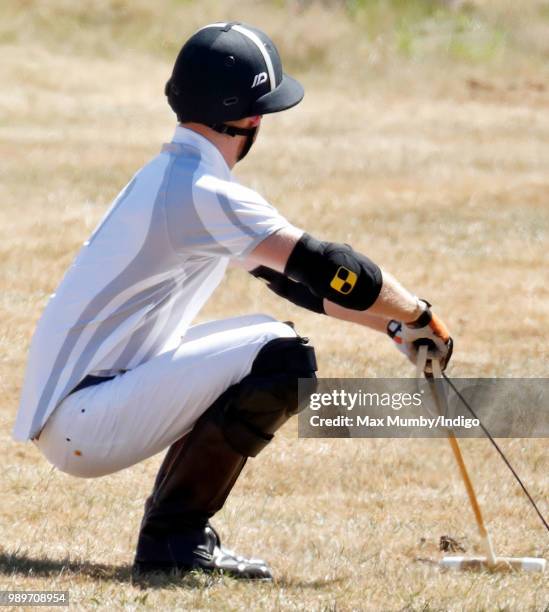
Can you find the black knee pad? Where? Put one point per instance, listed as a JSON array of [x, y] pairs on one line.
[[292, 355], [250, 412]]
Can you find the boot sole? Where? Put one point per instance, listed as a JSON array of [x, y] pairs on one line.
[[144, 571]]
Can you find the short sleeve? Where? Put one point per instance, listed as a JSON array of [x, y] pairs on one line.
[[226, 218]]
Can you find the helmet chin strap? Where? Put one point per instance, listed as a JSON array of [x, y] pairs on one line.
[[232, 130]]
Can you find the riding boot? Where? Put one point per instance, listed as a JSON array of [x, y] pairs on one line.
[[193, 483]]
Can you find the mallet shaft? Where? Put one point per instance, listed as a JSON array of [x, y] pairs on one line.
[[438, 395], [472, 497]]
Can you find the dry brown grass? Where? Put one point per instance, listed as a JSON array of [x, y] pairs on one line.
[[435, 166]]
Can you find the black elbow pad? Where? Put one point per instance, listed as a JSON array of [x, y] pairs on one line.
[[335, 272]]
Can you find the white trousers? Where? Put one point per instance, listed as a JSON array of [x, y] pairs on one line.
[[110, 426]]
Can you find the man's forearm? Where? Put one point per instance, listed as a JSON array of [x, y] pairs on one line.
[[392, 302], [395, 302], [361, 317], [301, 296]]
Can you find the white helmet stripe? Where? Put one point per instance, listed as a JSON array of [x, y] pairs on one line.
[[212, 25], [259, 44]]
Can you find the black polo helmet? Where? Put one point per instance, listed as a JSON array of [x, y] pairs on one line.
[[228, 71]]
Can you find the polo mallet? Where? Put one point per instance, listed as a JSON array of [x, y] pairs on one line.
[[489, 561]]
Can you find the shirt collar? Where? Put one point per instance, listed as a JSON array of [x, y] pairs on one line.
[[207, 149]]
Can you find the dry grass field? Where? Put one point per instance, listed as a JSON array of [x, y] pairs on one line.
[[423, 140]]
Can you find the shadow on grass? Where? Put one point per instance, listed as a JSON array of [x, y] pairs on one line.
[[21, 564]]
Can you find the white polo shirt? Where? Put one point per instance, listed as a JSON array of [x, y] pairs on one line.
[[144, 274]]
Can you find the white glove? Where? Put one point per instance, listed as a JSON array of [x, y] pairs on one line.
[[428, 330]]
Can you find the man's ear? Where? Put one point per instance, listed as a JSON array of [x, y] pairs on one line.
[[255, 121]]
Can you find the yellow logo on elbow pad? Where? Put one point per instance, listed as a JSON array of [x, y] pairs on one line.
[[344, 280]]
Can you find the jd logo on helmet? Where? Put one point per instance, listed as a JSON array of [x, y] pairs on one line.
[[259, 79]]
